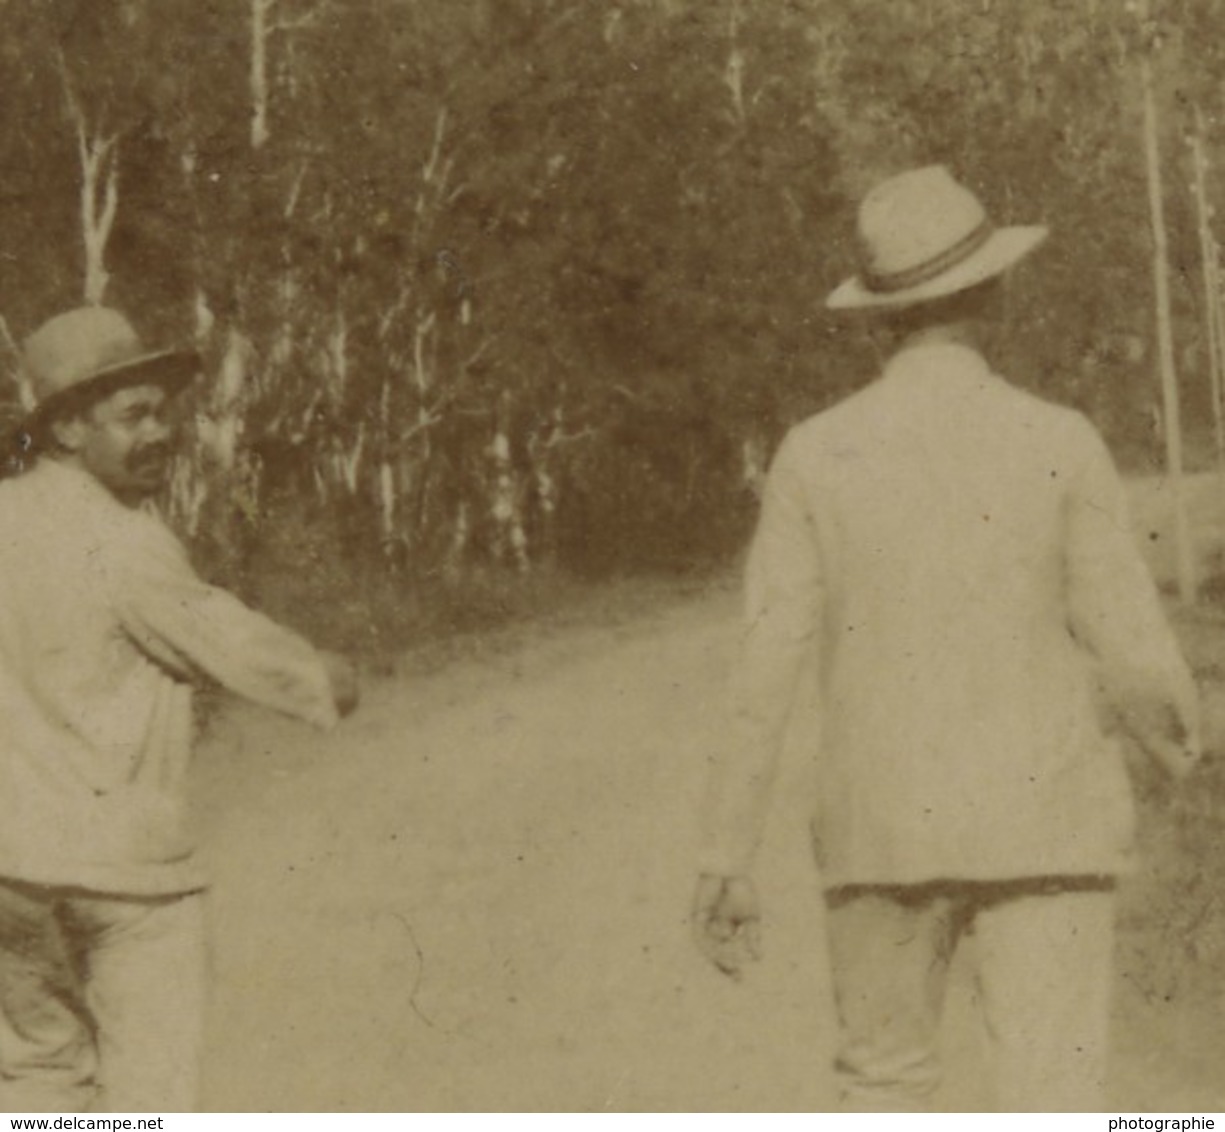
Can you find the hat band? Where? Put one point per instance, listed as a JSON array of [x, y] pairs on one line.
[[886, 283]]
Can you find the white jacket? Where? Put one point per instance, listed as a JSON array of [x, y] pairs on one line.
[[103, 627], [957, 554]]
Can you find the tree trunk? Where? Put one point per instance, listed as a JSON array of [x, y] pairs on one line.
[[1208, 263], [505, 508], [387, 477], [99, 196], [259, 72], [1165, 340]]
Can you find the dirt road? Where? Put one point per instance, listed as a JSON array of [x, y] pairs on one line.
[[472, 897]]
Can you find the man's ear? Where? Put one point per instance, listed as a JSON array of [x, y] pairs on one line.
[[69, 433]]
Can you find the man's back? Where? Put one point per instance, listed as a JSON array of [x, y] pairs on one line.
[[957, 556], [973, 567]]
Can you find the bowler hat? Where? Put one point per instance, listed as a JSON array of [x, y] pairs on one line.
[[89, 353], [923, 236]]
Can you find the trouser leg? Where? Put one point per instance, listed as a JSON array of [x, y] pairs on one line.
[[889, 955], [145, 989], [1045, 967], [47, 1057]]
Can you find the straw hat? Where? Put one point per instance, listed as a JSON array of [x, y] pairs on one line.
[[922, 236], [89, 353]]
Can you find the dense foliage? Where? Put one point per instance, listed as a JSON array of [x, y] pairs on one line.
[[527, 281]]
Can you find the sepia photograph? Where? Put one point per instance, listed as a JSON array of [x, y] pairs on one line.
[[612, 556]]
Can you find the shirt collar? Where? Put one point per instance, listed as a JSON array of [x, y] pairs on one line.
[[69, 478]]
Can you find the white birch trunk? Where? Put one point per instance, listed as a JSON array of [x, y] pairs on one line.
[[457, 546], [204, 317], [264, 25], [227, 399], [754, 462], [733, 73], [387, 477], [505, 509], [99, 203], [1165, 340], [338, 355], [540, 450], [335, 366], [350, 462], [1208, 264], [259, 72], [98, 155], [387, 501], [188, 492]]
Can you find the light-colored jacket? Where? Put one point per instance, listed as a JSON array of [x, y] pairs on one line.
[[957, 555], [103, 627]]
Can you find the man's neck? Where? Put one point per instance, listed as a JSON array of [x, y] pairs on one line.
[[966, 333]]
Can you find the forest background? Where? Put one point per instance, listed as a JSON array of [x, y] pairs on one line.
[[496, 293]]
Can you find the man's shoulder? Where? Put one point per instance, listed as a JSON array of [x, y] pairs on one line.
[[39, 494], [52, 495], [1039, 404], [1051, 421], [828, 423], [869, 418], [830, 431]]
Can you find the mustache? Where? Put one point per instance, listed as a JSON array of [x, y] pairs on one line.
[[151, 456]]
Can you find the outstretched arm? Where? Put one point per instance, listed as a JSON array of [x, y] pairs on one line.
[[191, 628]]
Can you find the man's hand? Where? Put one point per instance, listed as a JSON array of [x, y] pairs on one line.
[[342, 674], [1174, 742], [1212, 717], [1168, 732], [727, 922], [1175, 758]]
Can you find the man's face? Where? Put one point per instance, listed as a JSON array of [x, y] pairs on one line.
[[124, 441]]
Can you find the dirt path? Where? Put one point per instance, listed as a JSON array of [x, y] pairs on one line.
[[473, 895]]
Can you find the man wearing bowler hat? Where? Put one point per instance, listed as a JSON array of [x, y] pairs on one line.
[[103, 629], [954, 556]]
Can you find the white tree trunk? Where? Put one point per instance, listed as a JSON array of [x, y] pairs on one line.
[[504, 505], [259, 72], [204, 316], [264, 25], [349, 462], [387, 477], [1165, 340], [461, 530], [99, 197], [1208, 265], [227, 399], [336, 357], [733, 73], [754, 462], [98, 207], [387, 501], [188, 492]]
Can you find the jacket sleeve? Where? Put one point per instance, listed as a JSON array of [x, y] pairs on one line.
[[1114, 609], [192, 628], [783, 607]]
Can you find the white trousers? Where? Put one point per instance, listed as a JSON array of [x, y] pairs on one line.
[[1045, 960], [101, 1000]]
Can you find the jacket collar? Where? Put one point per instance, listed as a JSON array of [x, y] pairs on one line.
[[69, 480], [938, 359]]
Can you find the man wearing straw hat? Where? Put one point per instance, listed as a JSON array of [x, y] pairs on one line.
[[953, 556], [103, 628]]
